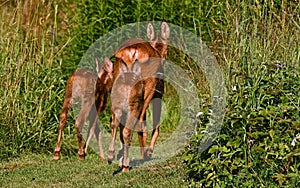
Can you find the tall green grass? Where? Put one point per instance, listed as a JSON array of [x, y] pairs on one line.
[[255, 43], [31, 85]]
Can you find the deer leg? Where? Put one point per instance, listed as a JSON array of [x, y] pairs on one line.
[[94, 129], [116, 117], [78, 126], [91, 130], [142, 136], [127, 135], [98, 135], [99, 107], [156, 101], [156, 118], [127, 132], [132, 120], [142, 131], [121, 151], [149, 85], [62, 123]]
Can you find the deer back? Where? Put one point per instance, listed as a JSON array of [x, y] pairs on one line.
[[138, 50], [81, 84], [86, 85]]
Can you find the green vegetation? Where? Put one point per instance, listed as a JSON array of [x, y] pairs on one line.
[[39, 171], [31, 84], [256, 43], [260, 52]]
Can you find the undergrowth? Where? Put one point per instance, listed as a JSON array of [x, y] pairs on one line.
[[255, 43]]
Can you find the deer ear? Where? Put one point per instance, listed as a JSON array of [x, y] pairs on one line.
[[108, 66], [136, 68], [123, 67], [98, 66], [164, 30], [150, 32]]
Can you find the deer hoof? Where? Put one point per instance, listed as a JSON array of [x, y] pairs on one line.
[[56, 156], [102, 158], [125, 169], [81, 156], [149, 153], [111, 155]]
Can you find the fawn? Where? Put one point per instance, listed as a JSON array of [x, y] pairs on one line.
[[92, 90], [151, 56], [127, 101]]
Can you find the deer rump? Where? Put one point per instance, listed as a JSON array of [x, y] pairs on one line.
[[92, 90]]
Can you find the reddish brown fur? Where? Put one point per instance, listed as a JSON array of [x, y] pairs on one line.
[[151, 56], [92, 90], [127, 102]]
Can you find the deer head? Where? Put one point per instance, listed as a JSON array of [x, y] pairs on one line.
[[105, 73]]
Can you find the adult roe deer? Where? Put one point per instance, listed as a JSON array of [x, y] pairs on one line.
[[150, 55], [92, 90], [127, 102]]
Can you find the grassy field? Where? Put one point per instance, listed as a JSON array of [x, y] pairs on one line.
[[256, 44], [42, 171]]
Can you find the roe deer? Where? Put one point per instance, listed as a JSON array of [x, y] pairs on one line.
[[127, 102], [92, 90], [150, 55]]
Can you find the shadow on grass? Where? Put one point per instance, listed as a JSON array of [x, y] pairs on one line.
[[133, 163]]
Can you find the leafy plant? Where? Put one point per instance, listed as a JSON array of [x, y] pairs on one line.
[[262, 118]]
